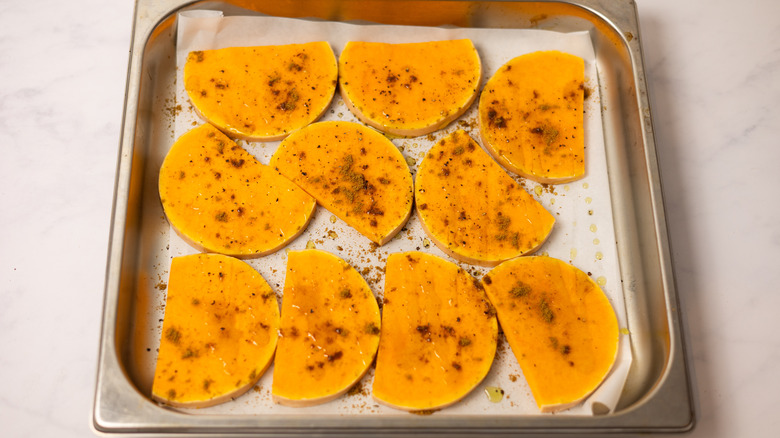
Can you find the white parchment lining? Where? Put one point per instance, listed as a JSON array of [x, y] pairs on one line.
[[583, 234]]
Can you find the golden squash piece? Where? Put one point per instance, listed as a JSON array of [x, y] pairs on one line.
[[531, 116], [262, 93], [220, 199], [409, 89], [439, 333], [560, 325], [472, 209], [354, 172], [329, 331], [219, 333]]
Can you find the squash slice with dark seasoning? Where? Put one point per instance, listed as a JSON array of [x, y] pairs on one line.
[[531, 116], [472, 209], [329, 330], [219, 333], [219, 198], [354, 172], [409, 89], [262, 93], [559, 324], [439, 334]]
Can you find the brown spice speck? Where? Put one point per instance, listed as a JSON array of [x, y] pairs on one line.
[[520, 290], [547, 313]]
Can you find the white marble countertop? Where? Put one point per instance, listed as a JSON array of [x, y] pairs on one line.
[[714, 77]]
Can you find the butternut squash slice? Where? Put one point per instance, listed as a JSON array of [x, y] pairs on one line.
[[329, 331], [409, 89], [220, 199], [219, 332], [354, 172], [262, 93], [559, 324], [472, 209], [439, 334], [531, 116]]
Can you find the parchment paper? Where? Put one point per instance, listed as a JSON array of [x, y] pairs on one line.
[[583, 234]]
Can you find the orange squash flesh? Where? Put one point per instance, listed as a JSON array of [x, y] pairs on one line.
[[220, 199], [531, 116], [329, 330], [354, 172], [472, 209], [559, 324], [262, 93], [409, 89], [439, 334], [218, 334]]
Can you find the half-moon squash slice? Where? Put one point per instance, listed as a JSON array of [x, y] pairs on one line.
[[219, 332], [409, 89], [559, 324], [354, 172], [472, 209], [219, 198], [531, 116], [439, 334], [262, 93], [329, 330]]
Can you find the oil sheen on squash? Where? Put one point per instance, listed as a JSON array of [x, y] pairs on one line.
[[559, 324], [220, 199], [531, 116], [439, 333], [409, 89], [262, 93], [472, 209], [218, 334], [329, 331], [354, 172]]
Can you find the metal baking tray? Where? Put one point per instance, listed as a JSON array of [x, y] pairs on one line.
[[657, 395]]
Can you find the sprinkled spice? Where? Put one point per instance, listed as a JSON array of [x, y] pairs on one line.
[[547, 313], [495, 120], [372, 329], [503, 221], [290, 103], [173, 335], [519, 290]]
